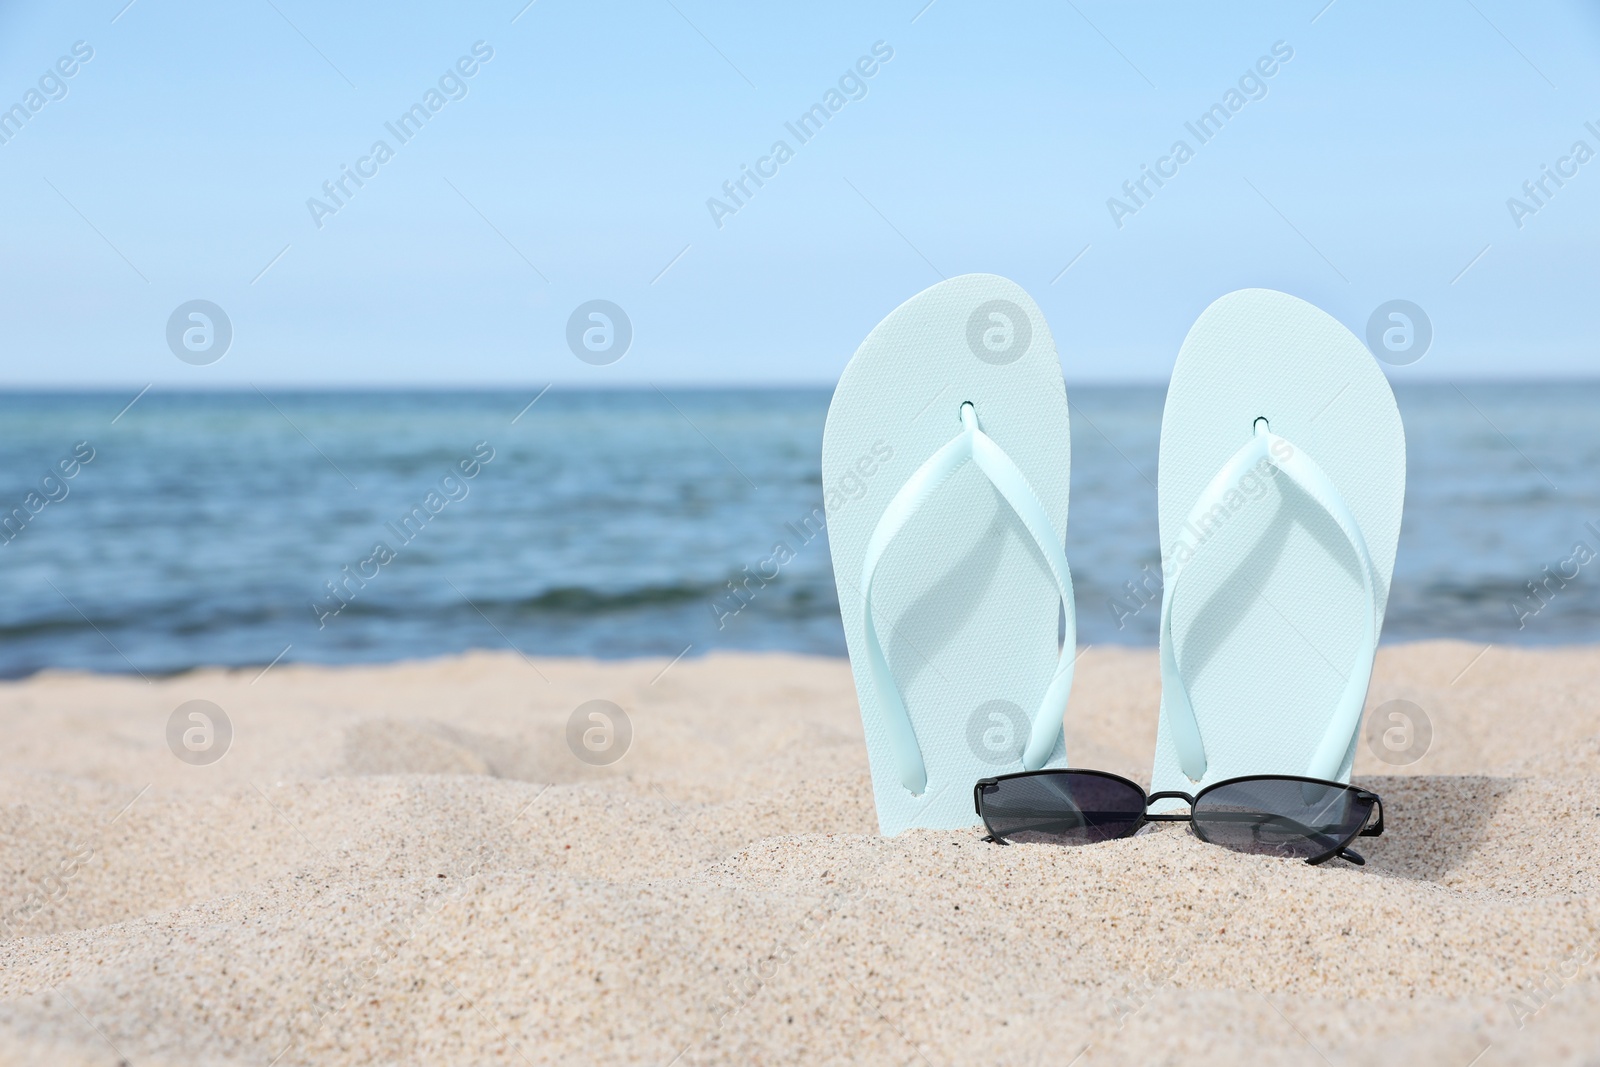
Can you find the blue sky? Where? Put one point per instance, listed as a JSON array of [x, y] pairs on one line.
[[579, 163]]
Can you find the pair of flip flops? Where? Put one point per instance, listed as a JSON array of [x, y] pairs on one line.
[[945, 465]]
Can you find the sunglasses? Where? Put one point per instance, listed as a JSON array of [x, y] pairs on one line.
[[1263, 814]]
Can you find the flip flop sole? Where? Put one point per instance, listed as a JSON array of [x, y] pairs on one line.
[[1270, 613], [964, 603]]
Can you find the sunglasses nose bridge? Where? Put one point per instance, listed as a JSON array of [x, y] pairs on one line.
[[1169, 816]]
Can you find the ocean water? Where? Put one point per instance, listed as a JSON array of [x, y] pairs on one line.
[[208, 528]]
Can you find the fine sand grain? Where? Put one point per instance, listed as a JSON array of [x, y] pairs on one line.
[[407, 864]]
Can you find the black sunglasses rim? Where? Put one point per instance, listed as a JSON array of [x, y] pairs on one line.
[[1369, 828]]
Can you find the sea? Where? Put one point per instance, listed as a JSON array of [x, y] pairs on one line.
[[261, 526]]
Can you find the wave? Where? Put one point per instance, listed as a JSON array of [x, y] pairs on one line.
[[582, 600]]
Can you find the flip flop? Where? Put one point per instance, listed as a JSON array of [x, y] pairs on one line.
[[1283, 472], [945, 465]]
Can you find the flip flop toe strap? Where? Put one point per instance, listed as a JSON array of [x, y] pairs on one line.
[[1003, 473], [1267, 447]]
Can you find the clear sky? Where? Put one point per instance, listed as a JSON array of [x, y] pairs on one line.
[[1375, 162]]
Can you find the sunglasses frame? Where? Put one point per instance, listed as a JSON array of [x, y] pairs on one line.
[[1370, 828]]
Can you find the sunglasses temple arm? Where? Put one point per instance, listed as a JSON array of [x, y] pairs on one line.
[[1376, 829], [1349, 855]]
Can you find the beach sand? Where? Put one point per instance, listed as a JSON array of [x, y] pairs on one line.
[[407, 864]]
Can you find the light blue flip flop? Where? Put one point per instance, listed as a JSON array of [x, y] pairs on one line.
[[945, 465], [1281, 483]]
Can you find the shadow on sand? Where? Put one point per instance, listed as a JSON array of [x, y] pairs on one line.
[[1433, 822]]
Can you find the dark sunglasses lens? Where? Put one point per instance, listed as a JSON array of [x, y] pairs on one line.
[[1281, 817], [1061, 808]]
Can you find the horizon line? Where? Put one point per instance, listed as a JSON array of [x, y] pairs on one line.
[[645, 386]]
